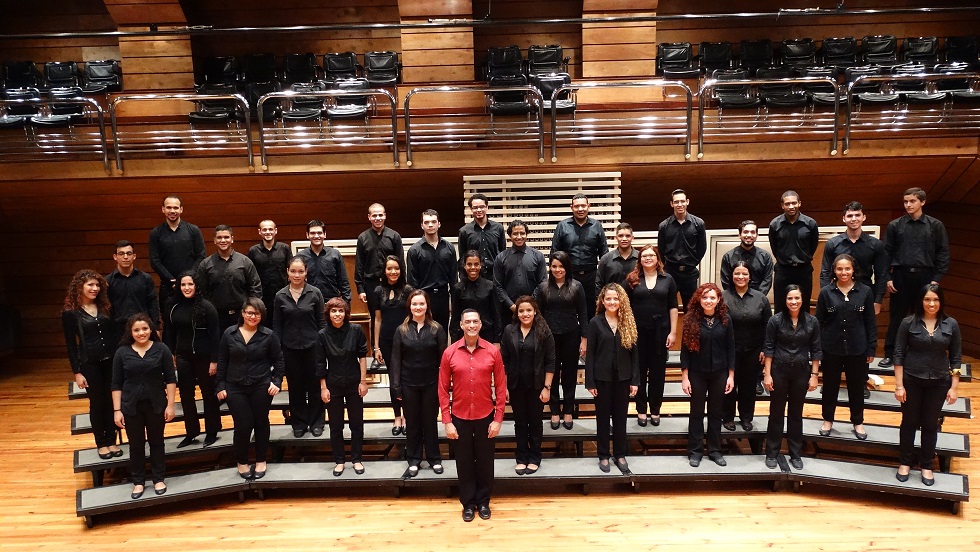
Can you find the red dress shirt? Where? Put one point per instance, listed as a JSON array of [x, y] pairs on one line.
[[475, 379]]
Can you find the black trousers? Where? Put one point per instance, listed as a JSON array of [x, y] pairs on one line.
[[474, 461], [901, 303], [856, 370], [785, 275], [99, 393], [228, 318], [439, 304], [370, 284], [790, 383], [587, 279], [192, 372], [566, 374], [686, 280], [249, 405], [421, 406], [385, 345], [270, 312], [652, 352], [341, 397], [747, 372], [528, 425], [611, 401], [145, 425], [306, 410], [922, 408], [710, 386]]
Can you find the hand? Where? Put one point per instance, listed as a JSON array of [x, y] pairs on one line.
[[729, 385], [513, 308], [593, 391], [169, 413], [686, 386], [877, 309], [222, 395], [545, 395], [891, 287], [273, 390], [951, 396], [494, 430], [363, 297], [325, 395], [633, 390], [762, 358], [583, 345], [767, 382], [507, 396], [362, 389], [670, 340], [378, 357], [900, 394], [120, 420], [81, 381], [867, 360], [451, 432], [212, 368], [813, 383]]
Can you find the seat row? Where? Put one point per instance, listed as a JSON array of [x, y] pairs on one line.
[[94, 77], [378, 69]]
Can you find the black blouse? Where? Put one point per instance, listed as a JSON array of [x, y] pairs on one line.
[[186, 336], [143, 378], [717, 347], [785, 345], [750, 314], [338, 354], [563, 308], [296, 323], [482, 297], [651, 307], [847, 322], [605, 357], [928, 356], [527, 359], [259, 361], [415, 356], [87, 338], [394, 311]]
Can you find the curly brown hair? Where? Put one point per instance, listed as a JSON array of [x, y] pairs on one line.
[[695, 314], [74, 294]]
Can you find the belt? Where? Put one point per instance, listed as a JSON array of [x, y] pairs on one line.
[[912, 269], [232, 311], [681, 268], [437, 291]]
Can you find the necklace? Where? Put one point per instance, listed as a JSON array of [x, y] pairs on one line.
[[710, 321]]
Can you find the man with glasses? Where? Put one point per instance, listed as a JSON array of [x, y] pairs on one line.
[[325, 268], [482, 235], [130, 291]]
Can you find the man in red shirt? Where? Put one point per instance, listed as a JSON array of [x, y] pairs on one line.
[[473, 369]]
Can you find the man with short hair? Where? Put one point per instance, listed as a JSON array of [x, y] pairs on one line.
[[793, 238], [918, 253], [472, 391], [130, 291], [518, 269], [617, 263], [482, 235], [373, 247], [228, 278], [870, 259], [583, 238], [682, 241], [325, 268], [758, 260], [175, 246], [431, 266], [270, 258]]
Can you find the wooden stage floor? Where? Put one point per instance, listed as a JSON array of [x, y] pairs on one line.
[[37, 503]]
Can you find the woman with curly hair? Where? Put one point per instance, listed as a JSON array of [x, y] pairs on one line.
[[612, 371], [707, 369], [87, 326]]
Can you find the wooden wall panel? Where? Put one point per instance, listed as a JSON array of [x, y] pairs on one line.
[[962, 284], [569, 37], [156, 63], [145, 13], [58, 16], [636, 40]]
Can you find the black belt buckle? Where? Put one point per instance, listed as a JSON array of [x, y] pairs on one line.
[[914, 270]]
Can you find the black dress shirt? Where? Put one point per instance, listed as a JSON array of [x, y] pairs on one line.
[[271, 264], [131, 294], [605, 357], [527, 359], [584, 243], [259, 361], [928, 356], [682, 244], [517, 271], [564, 308], [788, 346], [918, 244], [327, 272], [432, 268], [871, 261], [415, 356], [613, 268], [338, 354], [793, 244], [651, 307], [716, 350], [143, 378], [750, 314], [188, 334], [227, 283], [87, 337], [296, 323], [481, 296], [174, 251], [847, 322], [759, 263], [488, 241], [372, 249]]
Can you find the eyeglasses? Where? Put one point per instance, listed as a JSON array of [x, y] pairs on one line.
[[251, 313], [126, 254]]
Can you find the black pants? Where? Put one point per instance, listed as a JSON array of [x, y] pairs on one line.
[[99, 393], [474, 461], [228, 318], [439, 304], [144, 425], [306, 410], [566, 374], [342, 396], [786, 275], [856, 370], [193, 372], [611, 401], [249, 405], [652, 352], [385, 345], [421, 405], [528, 426], [686, 280], [922, 407], [586, 277], [747, 372], [270, 312], [710, 385], [790, 383], [901, 303], [370, 284]]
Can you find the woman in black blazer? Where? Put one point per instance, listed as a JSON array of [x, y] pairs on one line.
[[528, 351], [612, 371], [250, 371], [144, 385]]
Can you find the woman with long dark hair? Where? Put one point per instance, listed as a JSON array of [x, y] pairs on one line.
[[750, 312], [144, 384], [473, 291], [191, 332], [562, 302], [391, 297], [528, 351], [707, 369], [928, 354], [87, 325]]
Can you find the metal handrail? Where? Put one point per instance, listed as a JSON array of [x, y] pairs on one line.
[[631, 84], [711, 84], [326, 94], [533, 91], [904, 77], [242, 104], [73, 100]]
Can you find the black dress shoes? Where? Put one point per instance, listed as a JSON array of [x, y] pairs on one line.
[[139, 493], [824, 432], [771, 463], [641, 421], [468, 514], [530, 470], [902, 477], [187, 440], [623, 466], [604, 466], [397, 430], [299, 432], [730, 426], [210, 440], [316, 431], [520, 470], [160, 491], [258, 474], [484, 512], [718, 459], [246, 475], [413, 471], [860, 436], [358, 471], [928, 481], [695, 461], [105, 455], [655, 420], [886, 362], [747, 426], [759, 390], [568, 425], [555, 425], [437, 469], [797, 463], [867, 393]]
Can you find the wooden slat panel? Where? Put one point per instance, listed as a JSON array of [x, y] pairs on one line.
[[435, 8], [612, 69], [144, 13], [607, 34]]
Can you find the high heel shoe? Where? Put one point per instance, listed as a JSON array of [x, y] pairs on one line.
[[568, 424], [655, 420], [136, 494], [642, 422], [105, 455], [927, 481], [555, 425], [360, 470]]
